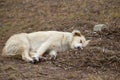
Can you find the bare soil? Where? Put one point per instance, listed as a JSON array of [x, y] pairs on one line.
[[100, 60]]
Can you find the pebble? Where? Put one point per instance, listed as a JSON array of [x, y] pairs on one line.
[[99, 27]]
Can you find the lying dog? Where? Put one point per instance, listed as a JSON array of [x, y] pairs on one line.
[[32, 46]]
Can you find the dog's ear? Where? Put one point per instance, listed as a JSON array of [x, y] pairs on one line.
[[86, 43], [76, 33]]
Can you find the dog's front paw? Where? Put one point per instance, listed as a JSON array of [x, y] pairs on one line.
[[53, 58], [53, 55], [35, 59]]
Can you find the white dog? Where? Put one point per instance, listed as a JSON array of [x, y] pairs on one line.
[[32, 46]]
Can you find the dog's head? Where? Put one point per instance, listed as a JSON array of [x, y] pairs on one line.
[[78, 40]]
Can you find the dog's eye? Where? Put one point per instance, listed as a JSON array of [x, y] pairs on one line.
[[80, 41]]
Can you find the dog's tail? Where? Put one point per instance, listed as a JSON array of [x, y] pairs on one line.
[[4, 54], [10, 50]]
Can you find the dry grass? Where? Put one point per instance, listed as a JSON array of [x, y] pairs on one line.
[[64, 15]]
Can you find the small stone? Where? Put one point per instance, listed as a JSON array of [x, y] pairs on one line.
[[99, 27]]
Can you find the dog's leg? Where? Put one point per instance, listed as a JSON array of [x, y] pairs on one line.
[[41, 50], [53, 55], [26, 56]]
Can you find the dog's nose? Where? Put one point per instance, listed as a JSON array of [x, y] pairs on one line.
[[78, 47]]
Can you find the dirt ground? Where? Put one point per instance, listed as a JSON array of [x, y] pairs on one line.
[[100, 60]]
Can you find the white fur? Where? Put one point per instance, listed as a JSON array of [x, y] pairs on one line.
[[34, 45]]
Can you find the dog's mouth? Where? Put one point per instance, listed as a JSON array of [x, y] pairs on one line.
[[78, 48]]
